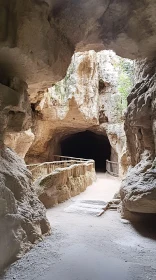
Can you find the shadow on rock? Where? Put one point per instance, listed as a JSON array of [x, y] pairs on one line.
[[146, 227]]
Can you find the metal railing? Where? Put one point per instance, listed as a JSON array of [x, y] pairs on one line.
[[112, 168]]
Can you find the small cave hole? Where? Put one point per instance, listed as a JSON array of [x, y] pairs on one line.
[[101, 85], [33, 105]]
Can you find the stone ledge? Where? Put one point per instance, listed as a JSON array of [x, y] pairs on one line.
[[64, 183]]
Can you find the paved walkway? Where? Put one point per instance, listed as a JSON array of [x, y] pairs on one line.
[[94, 200], [103, 189], [85, 247]]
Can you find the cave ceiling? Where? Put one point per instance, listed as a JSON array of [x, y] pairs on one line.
[[38, 38]]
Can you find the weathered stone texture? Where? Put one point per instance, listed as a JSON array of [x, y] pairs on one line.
[[64, 183], [138, 190], [19, 142], [22, 215], [140, 117], [15, 111], [87, 98], [37, 40]]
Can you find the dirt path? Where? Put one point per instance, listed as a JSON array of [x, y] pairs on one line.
[[103, 189], [85, 247]]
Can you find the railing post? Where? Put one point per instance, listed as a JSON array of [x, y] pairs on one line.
[[112, 168]]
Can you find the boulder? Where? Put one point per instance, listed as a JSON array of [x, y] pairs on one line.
[[138, 190]]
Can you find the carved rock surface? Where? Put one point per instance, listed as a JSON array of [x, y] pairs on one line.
[[22, 215]]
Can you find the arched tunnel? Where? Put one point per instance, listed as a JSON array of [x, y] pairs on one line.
[[88, 145]]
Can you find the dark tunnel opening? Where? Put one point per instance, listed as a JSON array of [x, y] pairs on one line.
[[88, 145]]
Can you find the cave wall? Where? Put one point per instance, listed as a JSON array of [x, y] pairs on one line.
[[139, 187], [140, 117], [15, 112], [76, 104], [37, 40], [22, 216], [20, 141], [32, 48]]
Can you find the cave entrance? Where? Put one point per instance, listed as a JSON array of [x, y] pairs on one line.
[[88, 145]]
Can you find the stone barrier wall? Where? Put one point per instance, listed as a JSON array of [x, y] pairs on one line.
[[64, 183]]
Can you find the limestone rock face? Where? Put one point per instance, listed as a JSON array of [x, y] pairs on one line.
[[41, 37], [139, 187], [37, 41], [141, 118], [22, 215], [15, 111], [138, 191], [88, 98], [20, 142], [32, 48]]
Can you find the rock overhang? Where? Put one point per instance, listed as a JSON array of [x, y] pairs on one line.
[[38, 43]]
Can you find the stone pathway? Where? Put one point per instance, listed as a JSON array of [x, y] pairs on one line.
[[85, 247]]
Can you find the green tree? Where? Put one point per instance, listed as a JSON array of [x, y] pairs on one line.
[[125, 80]]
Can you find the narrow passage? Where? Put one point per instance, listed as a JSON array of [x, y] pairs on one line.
[[85, 247]]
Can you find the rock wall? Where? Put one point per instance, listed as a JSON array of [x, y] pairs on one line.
[[15, 111], [70, 106], [22, 216], [37, 40], [20, 142], [87, 99], [38, 37], [64, 183], [140, 117], [139, 187]]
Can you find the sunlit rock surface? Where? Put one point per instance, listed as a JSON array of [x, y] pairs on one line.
[[87, 99]]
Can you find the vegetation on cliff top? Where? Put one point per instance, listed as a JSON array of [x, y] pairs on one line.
[[125, 79]]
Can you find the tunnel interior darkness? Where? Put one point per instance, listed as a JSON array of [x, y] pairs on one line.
[[88, 145]]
